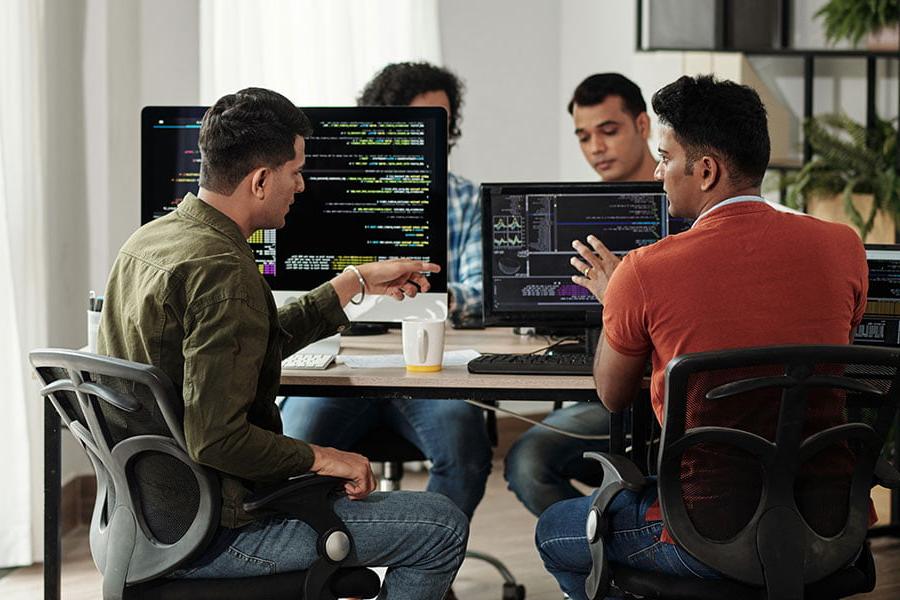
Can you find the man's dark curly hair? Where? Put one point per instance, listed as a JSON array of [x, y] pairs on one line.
[[720, 118], [398, 83]]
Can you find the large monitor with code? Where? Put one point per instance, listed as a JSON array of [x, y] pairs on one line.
[[376, 188], [528, 234], [881, 323]]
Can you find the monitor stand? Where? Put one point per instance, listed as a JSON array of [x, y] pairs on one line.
[[358, 329], [587, 342]]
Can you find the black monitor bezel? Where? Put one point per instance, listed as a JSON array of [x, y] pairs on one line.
[[587, 318]]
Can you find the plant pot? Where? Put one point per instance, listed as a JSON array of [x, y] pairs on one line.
[[886, 39], [831, 208]]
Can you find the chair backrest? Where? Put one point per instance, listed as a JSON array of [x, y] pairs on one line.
[[767, 457], [155, 507]]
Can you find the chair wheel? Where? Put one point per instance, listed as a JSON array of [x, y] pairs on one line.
[[512, 591]]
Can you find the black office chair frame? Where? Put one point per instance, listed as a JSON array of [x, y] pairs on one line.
[[777, 554], [99, 398]]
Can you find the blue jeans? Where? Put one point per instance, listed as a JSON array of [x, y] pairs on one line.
[[562, 542], [450, 433], [541, 463], [420, 537]]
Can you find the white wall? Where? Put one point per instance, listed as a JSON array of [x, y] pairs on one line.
[[507, 52]]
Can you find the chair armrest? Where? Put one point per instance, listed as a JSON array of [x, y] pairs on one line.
[[309, 498], [619, 474], [618, 470], [886, 475], [291, 490]]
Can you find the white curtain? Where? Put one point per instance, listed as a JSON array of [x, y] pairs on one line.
[[21, 271], [315, 52]]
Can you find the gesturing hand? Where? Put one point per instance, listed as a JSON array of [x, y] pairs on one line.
[[355, 468], [397, 278], [596, 266]]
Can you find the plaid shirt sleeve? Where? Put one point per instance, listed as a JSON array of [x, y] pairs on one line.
[[464, 251]]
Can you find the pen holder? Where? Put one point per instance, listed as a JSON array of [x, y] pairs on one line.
[[93, 326]]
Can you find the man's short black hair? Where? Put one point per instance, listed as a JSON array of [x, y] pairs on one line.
[[250, 129], [722, 118], [596, 88], [398, 83]]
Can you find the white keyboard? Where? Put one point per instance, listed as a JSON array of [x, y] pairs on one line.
[[300, 360]]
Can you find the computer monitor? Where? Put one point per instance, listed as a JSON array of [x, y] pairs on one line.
[[528, 233], [881, 323], [376, 188]]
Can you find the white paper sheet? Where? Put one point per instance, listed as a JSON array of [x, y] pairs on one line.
[[452, 358]]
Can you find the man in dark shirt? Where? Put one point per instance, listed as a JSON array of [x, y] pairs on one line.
[[612, 127], [185, 294]]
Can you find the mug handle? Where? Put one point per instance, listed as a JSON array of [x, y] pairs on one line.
[[422, 344]]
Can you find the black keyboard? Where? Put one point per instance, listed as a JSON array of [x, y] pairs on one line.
[[533, 364]]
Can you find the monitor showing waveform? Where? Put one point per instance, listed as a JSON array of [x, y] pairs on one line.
[[528, 243]]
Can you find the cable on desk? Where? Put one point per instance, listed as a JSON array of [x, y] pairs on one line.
[[571, 434]]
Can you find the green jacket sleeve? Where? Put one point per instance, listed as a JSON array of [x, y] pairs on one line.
[[314, 316], [223, 356]]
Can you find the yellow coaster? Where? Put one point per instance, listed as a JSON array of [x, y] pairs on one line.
[[423, 368]]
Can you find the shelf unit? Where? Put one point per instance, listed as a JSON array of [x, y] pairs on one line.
[[809, 56]]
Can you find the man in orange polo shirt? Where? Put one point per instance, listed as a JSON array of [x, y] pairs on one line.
[[744, 275]]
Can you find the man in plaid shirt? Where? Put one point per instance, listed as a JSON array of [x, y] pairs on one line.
[[450, 433], [464, 250]]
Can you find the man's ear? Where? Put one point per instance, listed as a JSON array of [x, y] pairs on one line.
[[258, 181], [643, 125], [710, 172]]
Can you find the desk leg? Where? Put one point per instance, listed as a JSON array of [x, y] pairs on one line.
[[617, 433], [52, 493]]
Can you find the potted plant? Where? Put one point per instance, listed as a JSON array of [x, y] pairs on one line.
[[849, 160], [853, 19]]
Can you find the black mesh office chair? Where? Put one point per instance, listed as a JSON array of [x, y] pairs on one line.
[[792, 497], [383, 445], [156, 509]]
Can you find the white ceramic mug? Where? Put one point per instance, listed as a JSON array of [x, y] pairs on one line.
[[423, 344]]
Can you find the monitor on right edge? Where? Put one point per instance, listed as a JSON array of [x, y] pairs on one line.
[[528, 230], [881, 323]]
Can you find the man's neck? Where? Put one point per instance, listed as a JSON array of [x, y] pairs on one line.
[[711, 201], [231, 207]]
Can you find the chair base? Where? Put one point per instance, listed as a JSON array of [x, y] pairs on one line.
[[857, 578], [356, 582]]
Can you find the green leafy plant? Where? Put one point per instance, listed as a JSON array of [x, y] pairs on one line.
[[849, 159], [852, 19]]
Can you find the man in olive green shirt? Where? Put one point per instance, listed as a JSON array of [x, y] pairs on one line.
[[185, 294]]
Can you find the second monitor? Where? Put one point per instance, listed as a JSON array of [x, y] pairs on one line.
[[528, 234]]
